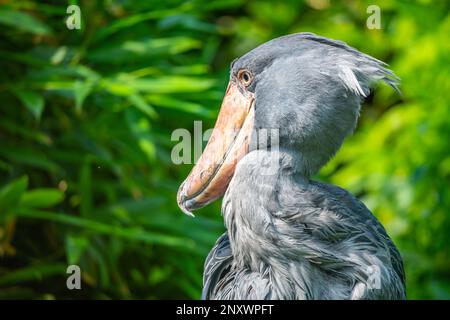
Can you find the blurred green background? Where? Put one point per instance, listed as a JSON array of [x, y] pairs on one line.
[[86, 118]]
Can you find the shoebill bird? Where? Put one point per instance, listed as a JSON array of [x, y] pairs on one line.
[[288, 236]]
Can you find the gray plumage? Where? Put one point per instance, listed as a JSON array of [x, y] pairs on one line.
[[289, 237]]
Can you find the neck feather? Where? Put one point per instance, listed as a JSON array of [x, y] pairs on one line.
[[260, 188]]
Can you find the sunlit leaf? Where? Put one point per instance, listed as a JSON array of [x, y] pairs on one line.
[[41, 198], [33, 101], [142, 105], [23, 21]]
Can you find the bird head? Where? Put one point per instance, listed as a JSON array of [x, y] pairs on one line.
[[305, 88]]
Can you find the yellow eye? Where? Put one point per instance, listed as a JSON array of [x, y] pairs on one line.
[[245, 77]]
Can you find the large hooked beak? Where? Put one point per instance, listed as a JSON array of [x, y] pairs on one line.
[[229, 142]]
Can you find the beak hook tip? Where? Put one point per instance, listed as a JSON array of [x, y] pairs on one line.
[[180, 201]]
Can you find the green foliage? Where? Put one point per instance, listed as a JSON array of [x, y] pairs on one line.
[[86, 119]]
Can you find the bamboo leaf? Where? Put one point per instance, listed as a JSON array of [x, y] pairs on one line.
[[32, 273], [41, 198], [23, 21], [33, 101], [135, 234], [85, 188], [11, 193], [137, 101], [75, 247], [81, 91]]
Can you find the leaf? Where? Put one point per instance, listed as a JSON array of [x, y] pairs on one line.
[[41, 198], [81, 91], [135, 234], [31, 100], [85, 188], [23, 21], [142, 105], [33, 273], [172, 84], [59, 55], [28, 156], [148, 148], [75, 247], [11, 193], [169, 102], [26, 132], [143, 49], [128, 22], [187, 21]]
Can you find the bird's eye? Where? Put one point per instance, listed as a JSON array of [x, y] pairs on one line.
[[245, 77]]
